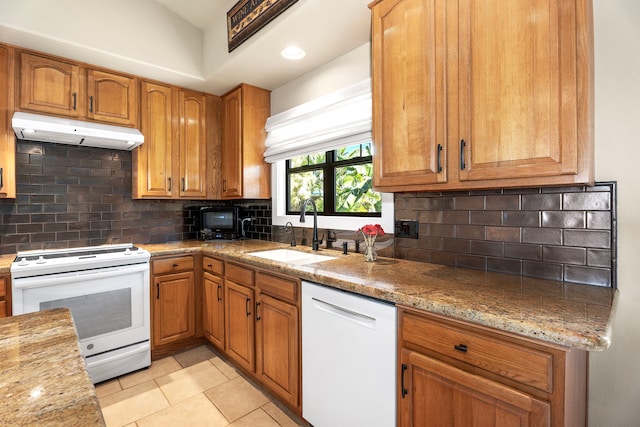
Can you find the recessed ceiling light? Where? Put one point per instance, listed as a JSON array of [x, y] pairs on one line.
[[292, 53]]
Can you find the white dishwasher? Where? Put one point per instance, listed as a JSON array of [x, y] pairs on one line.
[[348, 359]]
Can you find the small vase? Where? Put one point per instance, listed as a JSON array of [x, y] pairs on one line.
[[370, 253]]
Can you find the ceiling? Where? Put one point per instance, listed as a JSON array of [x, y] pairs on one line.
[[199, 59]]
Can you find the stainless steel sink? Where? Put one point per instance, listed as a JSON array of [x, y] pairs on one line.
[[291, 256]]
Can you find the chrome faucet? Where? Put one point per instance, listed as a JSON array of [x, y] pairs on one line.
[[315, 243]]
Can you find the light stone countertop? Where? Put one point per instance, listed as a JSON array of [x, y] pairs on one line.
[[43, 379], [558, 312]]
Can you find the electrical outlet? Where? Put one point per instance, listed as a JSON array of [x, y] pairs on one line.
[[406, 228]]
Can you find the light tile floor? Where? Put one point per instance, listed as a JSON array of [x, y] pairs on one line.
[[192, 388]]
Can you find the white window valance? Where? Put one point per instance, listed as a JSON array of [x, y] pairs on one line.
[[335, 120]]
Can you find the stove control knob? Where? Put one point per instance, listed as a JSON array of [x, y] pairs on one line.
[[23, 261], [127, 251], [140, 251], [41, 260]]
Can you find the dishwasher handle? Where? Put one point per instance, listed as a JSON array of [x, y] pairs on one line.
[[363, 319]]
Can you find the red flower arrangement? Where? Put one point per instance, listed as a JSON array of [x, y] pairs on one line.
[[370, 232]]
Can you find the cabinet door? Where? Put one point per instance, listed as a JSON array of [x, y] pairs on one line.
[[7, 137], [152, 161], [245, 174], [112, 98], [239, 324], [50, 86], [173, 307], [193, 145], [232, 145], [5, 290], [518, 89], [409, 105], [433, 393], [213, 311], [277, 344]]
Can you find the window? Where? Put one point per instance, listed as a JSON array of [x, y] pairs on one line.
[[339, 181], [322, 150]]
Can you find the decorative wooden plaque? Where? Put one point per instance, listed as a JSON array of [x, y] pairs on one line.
[[248, 16]]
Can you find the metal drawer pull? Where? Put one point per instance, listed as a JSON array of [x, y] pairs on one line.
[[257, 315], [439, 157], [462, 145], [247, 304], [461, 347], [404, 390]]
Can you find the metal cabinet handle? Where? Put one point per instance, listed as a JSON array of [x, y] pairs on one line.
[[91, 104], [247, 305], [402, 386], [462, 146], [169, 179], [1, 177], [157, 290], [439, 157], [75, 96], [461, 347], [219, 292], [257, 315], [182, 183], [224, 185]]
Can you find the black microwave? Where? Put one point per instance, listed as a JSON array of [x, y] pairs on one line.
[[219, 222]]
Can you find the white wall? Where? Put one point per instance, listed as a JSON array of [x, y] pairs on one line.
[[615, 374], [343, 71], [146, 40], [614, 398]]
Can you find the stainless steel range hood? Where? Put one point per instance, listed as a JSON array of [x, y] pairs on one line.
[[36, 127]]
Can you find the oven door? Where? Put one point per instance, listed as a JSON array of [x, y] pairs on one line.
[[110, 306]]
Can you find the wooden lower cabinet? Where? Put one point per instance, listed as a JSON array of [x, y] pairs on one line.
[[262, 328], [176, 318], [452, 373], [213, 301], [277, 354], [439, 395], [5, 292], [240, 345]]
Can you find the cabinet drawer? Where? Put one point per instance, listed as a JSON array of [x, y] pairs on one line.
[[172, 265], [239, 274], [213, 265], [277, 286], [513, 360], [3, 308]]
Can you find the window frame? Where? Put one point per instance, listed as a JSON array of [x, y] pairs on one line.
[[279, 216], [328, 169]]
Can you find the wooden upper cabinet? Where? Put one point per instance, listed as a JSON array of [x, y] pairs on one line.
[[193, 144], [65, 88], [482, 94], [112, 98], [152, 161], [409, 126], [7, 137], [50, 86], [519, 83], [172, 162], [245, 174]]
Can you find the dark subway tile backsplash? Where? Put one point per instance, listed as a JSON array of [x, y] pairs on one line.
[[557, 233], [71, 196]]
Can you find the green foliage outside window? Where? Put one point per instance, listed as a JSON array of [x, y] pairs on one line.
[[349, 193]]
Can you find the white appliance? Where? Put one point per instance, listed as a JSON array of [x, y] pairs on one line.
[[348, 359], [107, 290], [37, 127]]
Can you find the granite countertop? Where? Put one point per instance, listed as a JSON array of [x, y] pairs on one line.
[[563, 313], [43, 380]]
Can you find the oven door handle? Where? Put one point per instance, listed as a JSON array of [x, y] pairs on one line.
[[79, 276]]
